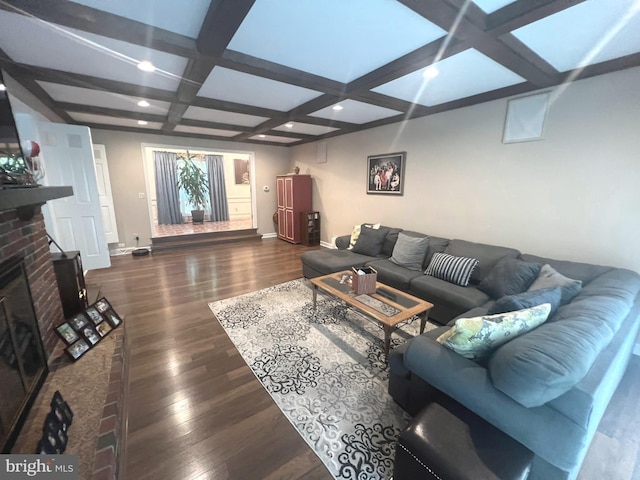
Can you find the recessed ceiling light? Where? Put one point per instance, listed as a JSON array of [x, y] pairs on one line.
[[337, 108], [2, 87], [262, 136], [288, 125], [142, 122], [431, 72], [146, 66], [143, 103]]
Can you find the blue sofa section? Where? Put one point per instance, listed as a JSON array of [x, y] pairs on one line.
[[548, 388]]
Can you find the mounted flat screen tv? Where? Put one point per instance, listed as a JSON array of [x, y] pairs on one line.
[[12, 166]]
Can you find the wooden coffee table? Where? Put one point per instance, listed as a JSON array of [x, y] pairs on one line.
[[388, 306]]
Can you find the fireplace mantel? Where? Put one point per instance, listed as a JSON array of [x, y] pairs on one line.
[[25, 200]]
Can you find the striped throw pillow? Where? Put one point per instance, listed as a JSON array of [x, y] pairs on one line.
[[451, 269]]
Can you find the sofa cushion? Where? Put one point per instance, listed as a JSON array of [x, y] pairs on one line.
[[543, 364], [355, 233], [580, 271], [452, 269], [509, 276], [390, 241], [327, 261], [549, 278], [370, 241], [410, 250], [439, 292], [476, 338], [436, 244], [509, 303], [392, 274], [487, 256]]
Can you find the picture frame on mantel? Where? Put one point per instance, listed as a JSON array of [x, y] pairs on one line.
[[385, 174]]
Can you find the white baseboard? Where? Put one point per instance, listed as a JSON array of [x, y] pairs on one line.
[[327, 245], [270, 235]]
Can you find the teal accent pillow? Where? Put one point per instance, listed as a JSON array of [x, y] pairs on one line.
[[509, 303], [549, 278], [409, 251], [370, 241], [476, 338], [509, 276]]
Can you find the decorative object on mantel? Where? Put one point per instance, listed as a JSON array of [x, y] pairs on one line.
[[86, 329], [385, 173], [34, 167], [296, 170]]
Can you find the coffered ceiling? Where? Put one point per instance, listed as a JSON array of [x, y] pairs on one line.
[[286, 72]]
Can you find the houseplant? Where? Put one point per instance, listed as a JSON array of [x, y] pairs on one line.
[[195, 184]]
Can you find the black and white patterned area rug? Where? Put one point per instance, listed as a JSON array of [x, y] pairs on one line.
[[326, 371]]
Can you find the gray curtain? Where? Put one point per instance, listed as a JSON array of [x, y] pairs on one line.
[[217, 189], [167, 193]]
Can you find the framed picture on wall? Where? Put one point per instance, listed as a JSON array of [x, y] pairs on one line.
[[241, 168], [385, 173]]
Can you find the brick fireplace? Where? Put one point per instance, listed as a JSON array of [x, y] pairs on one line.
[[28, 239]]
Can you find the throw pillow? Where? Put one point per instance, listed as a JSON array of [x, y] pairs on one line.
[[549, 277], [356, 233], [409, 251], [370, 241], [451, 269], [476, 338], [509, 276], [509, 303]]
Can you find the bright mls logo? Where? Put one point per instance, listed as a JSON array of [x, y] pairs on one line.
[[45, 467]]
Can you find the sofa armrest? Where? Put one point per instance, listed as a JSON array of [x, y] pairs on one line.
[[469, 384], [342, 242]]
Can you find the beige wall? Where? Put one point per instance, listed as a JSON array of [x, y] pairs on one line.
[[126, 168], [573, 195]]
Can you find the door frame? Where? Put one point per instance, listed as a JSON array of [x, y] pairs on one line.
[[147, 148]]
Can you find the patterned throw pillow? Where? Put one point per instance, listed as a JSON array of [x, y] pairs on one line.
[[356, 233], [451, 269], [476, 338]]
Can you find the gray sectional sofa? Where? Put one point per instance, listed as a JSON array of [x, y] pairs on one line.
[[548, 388]]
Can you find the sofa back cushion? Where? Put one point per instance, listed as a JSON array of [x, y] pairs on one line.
[[579, 271], [487, 256], [550, 278], [389, 241], [509, 277], [370, 241], [436, 245], [543, 364]]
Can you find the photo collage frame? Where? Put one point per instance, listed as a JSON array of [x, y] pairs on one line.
[[86, 329], [56, 426]]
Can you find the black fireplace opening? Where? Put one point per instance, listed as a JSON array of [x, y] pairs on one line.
[[23, 365]]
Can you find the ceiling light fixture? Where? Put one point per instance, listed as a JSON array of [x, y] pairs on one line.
[[431, 72], [262, 136], [142, 122], [2, 87], [337, 108], [288, 125], [143, 103], [146, 66]]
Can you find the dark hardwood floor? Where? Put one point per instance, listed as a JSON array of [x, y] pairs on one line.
[[196, 411]]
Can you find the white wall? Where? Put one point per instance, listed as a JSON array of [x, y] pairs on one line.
[[573, 195]]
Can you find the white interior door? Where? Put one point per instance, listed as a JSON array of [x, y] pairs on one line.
[[104, 194], [67, 153]]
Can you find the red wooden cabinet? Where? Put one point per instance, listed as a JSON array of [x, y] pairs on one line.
[[294, 197]]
